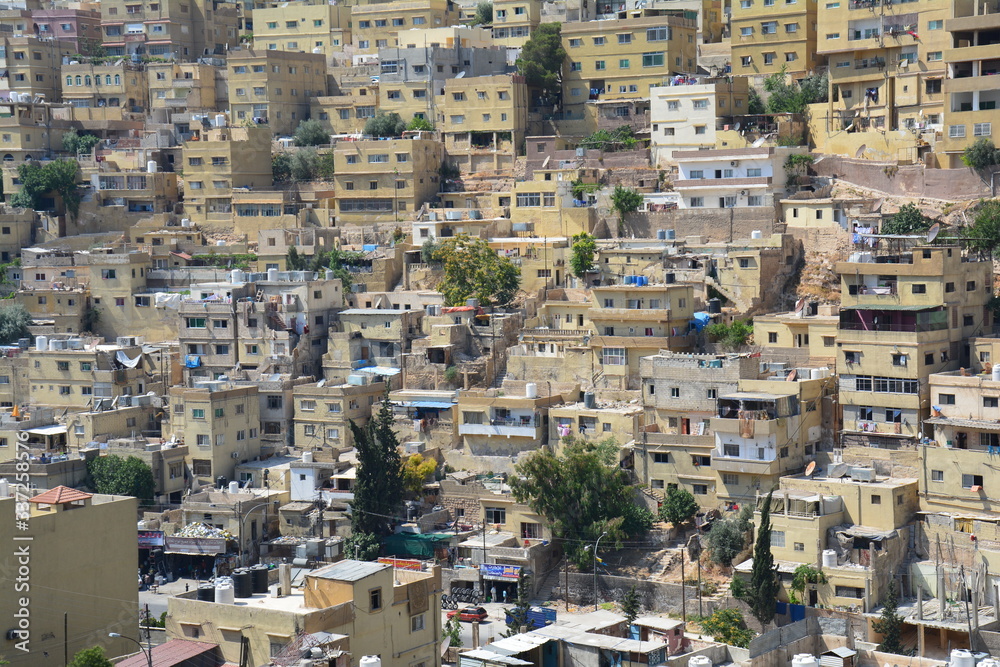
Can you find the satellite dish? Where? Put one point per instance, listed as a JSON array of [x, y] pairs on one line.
[[861, 151], [799, 305], [903, 64], [878, 205], [737, 126], [838, 470], [810, 469], [460, 74], [933, 232]]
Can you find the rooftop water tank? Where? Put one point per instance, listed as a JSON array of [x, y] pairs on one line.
[[960, 657], [4, 488], [370, 661], [272, 275], [41, 343], [661, 235], [756, 234], [307, 457], [236, 276], [671, 235], [700, 661], [829, 558], [220, 120], [234, 486], [589, 400], [531, 390], [206, 593], [151, 166], [804, 660], [242, 584], [996, 372], [224, 591]]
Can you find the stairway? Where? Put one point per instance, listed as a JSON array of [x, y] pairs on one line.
[[551, 580], [498, 380]]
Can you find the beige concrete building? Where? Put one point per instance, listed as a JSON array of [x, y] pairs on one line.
[[378, 26], [217, 160], [185, 87], [219, 425], [484, 120], [686, 117], [323, 413], [384, 181], [101, 530], [174, 29], [768, 35], [382, 610], [105, 85], [31, 66], [303, 27], [274, 87], [899, 323], [515, 20], [808, 336]]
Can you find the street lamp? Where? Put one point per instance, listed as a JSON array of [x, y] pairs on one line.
[[148, 654], [596, 547]]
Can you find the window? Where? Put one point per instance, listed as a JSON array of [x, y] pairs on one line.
[[791, 27], [675, 392], [652, 59], [696, 202], [614, 356], [991, 402], [661, 34], [598, 41], [496, 515], [932, 56], [699, 129], [623, 63], [849, 592], [275, 402], [769, 27], [417, 623], [625, 38], [661, 457], [197, 413], [375, 599], [746, 31], [982, 129], [730, 479], [969, 481], [699, 489], [937, 475], [778, 538], [956, 131], [876, 499], [946, 399], [573, 43], [196, 323], [599, 65], [919, 289]]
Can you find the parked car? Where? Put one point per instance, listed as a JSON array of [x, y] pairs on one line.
[[469, 614]]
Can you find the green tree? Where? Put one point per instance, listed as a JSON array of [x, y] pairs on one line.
[[325, 166], [625, 201], [762, 591], [281, 167], [797, 165], [679, 506], [14, 322], [727, 626], [416, 470], [581, 258], [620, 138], [421, 123], [630, 606], [79, 143], [517, 617], [582, 493], [484, 14], [91, 657], [362, 546], [908, 220], [311, 133], [38, 180], [805, 575], [725, 541], [541, 62], [427, 251], [451, 632], [385, 125], [302, 165], [378, 490], [890, 623], [755, 103], [88, 323], [115, 475], [981, 154], [473, 269], [294, 261], [792, 97], [730, 336], [983, 235]]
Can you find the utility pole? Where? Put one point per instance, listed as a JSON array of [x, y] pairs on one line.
[[596, 547]]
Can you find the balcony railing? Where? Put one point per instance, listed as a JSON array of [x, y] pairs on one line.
[[869, 63]]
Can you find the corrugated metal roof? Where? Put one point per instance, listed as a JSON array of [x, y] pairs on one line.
[[349, 570]]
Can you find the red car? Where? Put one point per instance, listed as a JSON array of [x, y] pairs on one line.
[[469, 614]]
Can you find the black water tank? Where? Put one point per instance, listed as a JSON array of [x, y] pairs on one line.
[[206, 592], [714, 306], [242, 584], [259, 578], [221, 481]]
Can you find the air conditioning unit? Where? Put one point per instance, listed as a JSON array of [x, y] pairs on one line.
[[743, 193], [734, 163], [235, 455]]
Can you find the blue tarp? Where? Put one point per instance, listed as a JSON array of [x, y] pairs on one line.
[[701, 320], [380, 370], [192, 361], [430, 404]]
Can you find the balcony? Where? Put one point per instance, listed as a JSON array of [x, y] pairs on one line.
[[745, 466], [689, 183], [510, 428], [869, 63]]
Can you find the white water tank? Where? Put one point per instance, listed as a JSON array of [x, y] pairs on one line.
[[41, 343], [328, 274], [961, 657], [987, 662], [700, 661], [370, 661], [4, 488], [272, 275], [53, 345], [307, 457], [756, 234], [234, 487], [225, 593], [185, 222], [236, 276], [829, 558], [819, 373], [151, 166], [220, 120], [996, 372], [531, 390], [804, 660]]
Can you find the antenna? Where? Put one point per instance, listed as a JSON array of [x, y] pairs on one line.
[[861, 151], [933, 232], [737, 126]]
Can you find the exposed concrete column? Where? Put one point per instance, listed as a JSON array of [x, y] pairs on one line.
[[475, 634]]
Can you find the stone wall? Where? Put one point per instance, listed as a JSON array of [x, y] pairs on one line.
[[911, 180], [662, 597], [714, 224]]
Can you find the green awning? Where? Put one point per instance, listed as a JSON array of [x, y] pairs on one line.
[[414, 546]]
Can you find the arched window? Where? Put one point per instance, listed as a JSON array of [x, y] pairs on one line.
[[86, 80], [118, 79], [79, 80], [69, 81], [8, 158], [107, 79]]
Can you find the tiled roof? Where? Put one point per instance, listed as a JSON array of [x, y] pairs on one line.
[[176, 652], [60, 496]]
